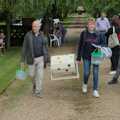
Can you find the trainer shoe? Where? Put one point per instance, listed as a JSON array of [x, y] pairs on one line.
[[84, 88], [96, 94], [113, 81]]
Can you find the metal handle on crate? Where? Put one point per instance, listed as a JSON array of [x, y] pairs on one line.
[[77, 69]]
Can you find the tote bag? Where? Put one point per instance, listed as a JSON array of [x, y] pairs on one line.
[[96, 57], [21, 74], [107, 52], [113, 39]]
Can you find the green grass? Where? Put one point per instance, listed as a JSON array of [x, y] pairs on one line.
[[8, 64]]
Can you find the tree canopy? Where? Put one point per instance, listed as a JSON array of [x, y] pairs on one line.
[[94, 7], [37, 8]]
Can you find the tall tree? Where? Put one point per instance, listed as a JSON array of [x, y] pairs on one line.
[[94, 7]]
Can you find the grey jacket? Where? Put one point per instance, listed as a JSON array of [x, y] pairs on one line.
[[27, 50]]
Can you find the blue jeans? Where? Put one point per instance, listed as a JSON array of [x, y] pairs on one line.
[[86, 73]]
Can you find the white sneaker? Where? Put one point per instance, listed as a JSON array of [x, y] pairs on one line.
[[96, 94], [112, 72], [84, 88]]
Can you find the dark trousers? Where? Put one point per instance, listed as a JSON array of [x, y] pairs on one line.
[[115, 57], [116, 76]]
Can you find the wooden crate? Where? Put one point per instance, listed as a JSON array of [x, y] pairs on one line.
[[64, 67]]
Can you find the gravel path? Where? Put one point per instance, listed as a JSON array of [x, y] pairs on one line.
[[63, 100]]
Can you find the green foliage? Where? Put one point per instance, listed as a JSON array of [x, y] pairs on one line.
[[67, 6], [36, 8], [94, 7], [24, 8]]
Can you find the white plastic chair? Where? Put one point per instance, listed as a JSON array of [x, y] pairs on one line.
[[53, 38]]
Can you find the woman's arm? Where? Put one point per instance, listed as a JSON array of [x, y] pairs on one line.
[[80, 45]]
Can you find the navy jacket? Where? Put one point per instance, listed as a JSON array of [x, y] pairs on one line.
[[85, 47]]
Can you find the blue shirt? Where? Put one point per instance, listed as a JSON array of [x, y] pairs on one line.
[[38, 46], [102, 24]]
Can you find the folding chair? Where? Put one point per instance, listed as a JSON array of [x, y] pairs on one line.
[[54, 38]]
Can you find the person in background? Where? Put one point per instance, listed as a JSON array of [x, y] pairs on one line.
[[102, 26], [2, 42], [85, 48], [57, 32], [63, 32], [117, 73], [34, 54], [116, 49], [119, 15], [47, 27]]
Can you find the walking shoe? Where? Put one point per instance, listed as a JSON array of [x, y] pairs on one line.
[[112, 72], [38, 95], [96, 94], [84, 88], [113, 81]]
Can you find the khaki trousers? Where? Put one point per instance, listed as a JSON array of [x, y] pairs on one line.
[[36, 71]]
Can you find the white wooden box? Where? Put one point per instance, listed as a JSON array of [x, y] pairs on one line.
[[64, 67]]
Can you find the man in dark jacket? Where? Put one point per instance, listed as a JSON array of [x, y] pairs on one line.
[[34, 53]]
